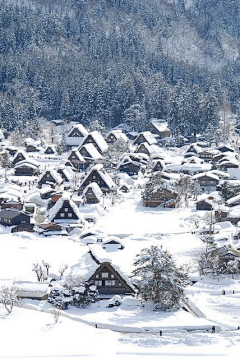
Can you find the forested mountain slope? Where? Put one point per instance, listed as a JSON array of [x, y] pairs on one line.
[[93, 59]]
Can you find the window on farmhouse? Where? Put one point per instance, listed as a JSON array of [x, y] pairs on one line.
[[105, 275]]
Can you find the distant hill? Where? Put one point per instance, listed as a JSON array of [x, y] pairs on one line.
[[93, 59]]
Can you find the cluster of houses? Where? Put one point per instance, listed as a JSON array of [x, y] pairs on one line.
[[54, 194]]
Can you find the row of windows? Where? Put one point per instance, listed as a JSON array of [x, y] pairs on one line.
[[207, 183], [69, 215], [108, 283], [105, 275], [5, 220]]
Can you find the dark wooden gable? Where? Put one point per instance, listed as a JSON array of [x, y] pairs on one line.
[[204, 206], [142, 149], [49, 151], [90, 196], [140, 139], [62, 174], [84, 152], [130, 168], [20, 157], [32, 148], [47, 178], [108, 281], [66, 212], [75, 133], [157, 166], [111, 138], [90, 139], [152, 129], [73, 157], [94, 176]]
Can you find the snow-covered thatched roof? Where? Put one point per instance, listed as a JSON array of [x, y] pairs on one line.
[[93, 152], [92, 260], [160, 125], [103, 174], [80, 128], [56, 176], [76, 153], [95, 188], [99, 140], [57, 207]]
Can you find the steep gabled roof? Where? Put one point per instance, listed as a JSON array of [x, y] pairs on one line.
[[93, 152], [96, 190], [57, 207], [56, 176], [76, 153], [103, 174], [149, 137], [80, 128], [99, 140], [92, 261], [160, 125]]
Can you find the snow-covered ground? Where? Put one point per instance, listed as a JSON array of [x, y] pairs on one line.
[[30, 334], [35, 335]]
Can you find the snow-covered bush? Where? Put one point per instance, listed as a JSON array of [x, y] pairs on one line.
[[75, 292]]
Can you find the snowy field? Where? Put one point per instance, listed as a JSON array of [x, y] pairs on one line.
[[35, 335], [130, 217]]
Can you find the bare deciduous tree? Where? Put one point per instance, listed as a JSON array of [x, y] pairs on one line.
[[62, 269], [8, 297], [56, 314]]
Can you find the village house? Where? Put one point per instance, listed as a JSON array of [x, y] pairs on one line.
[[18, 157], [64, 211], [23, 227], [10, 217], [11, 204], [233, 201], [50, 177], [193, 150], [31, 290], [51, 229], [164, 197], [32, 145], [129, 166], [97, 140], [143, 148], [101, 177], [147, 137], [159, 127], [50, 150], [90, 154], [207, 181], [204, 205], [26, 168], [115, 135], [77, 160], [66, 173], [95, 268], [158, 165], [92, 193], [76, 136], [225, 148]]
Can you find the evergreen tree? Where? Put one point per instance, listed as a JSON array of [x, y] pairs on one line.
[[227, 191], [158, 279]]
